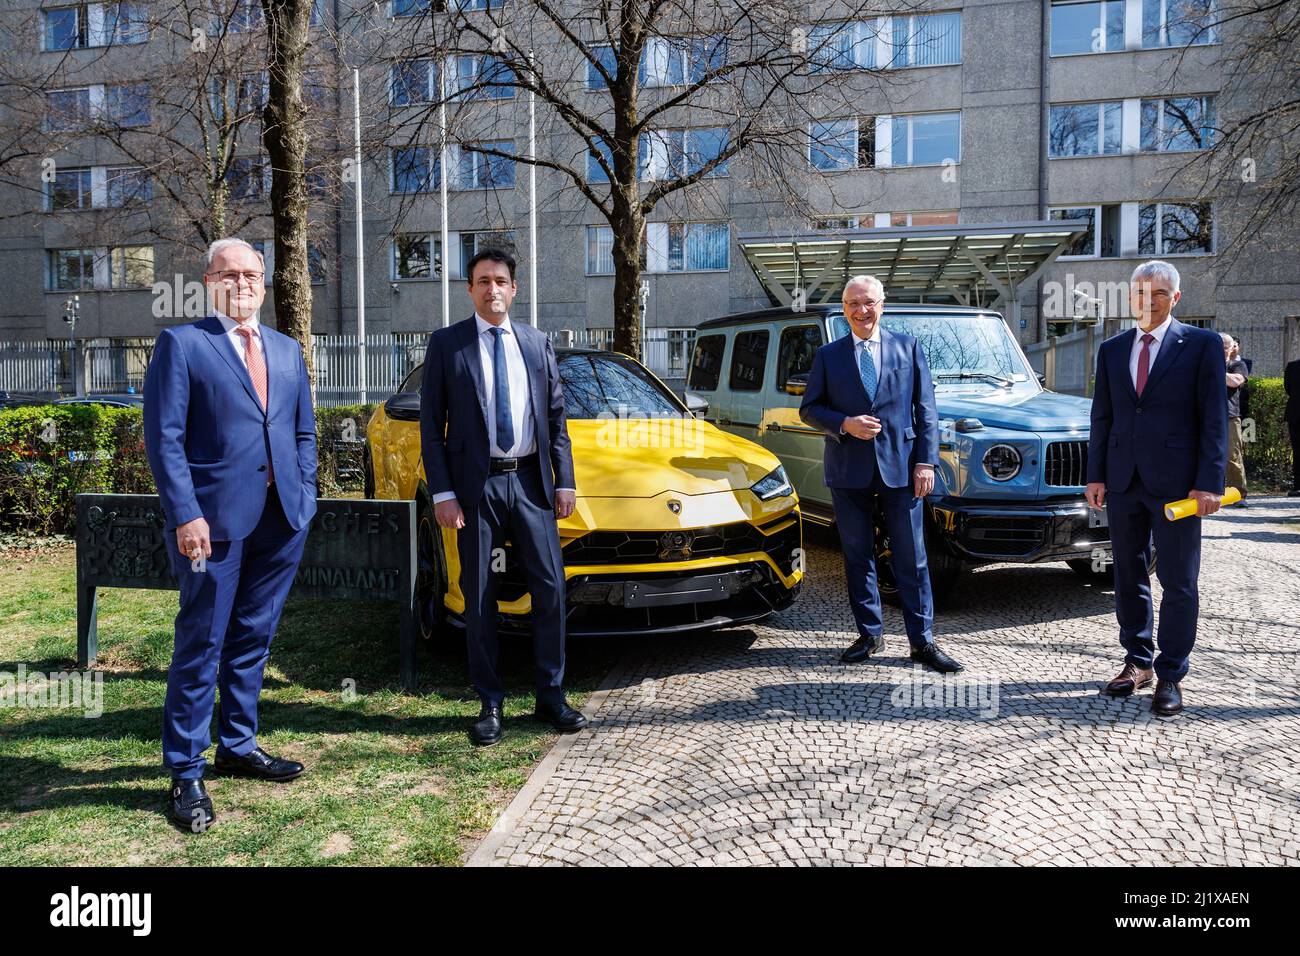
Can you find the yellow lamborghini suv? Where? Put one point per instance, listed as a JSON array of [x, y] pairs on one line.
[[679, 526]]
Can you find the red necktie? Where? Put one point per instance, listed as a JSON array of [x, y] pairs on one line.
[[256, 371], [1144, 362]]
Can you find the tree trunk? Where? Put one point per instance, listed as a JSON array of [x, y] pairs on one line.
[[285, 136], [627, 224]]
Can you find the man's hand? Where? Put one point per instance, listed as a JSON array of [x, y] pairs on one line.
[[565, 501], [1095, 495], [922, 480], [1207, 502], [862, 426], [192, 539], [448, 514], [1235, 380]]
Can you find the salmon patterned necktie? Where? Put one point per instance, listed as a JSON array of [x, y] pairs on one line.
[[257, 371]]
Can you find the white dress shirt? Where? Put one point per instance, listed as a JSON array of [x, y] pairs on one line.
[[237, 341], [521, 403], [1159, 332]]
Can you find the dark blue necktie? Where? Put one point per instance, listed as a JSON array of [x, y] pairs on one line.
[[867, 368], [501, 385]]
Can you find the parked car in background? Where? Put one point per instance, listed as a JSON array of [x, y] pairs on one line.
[[672, 532], [116, 401], [1013, 456]]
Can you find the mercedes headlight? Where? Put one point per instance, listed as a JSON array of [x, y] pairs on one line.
[[773, 485], [1002, 462]]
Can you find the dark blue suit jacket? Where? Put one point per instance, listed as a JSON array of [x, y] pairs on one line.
[[454, 410], [208, 439], [904, 404], [1175, 438]]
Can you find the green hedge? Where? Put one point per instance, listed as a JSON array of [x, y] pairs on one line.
[[51, 453], [1268, 457]]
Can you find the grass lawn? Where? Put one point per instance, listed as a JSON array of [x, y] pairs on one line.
[[391, 780]]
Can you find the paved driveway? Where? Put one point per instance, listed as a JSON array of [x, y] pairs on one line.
[[760, 747]]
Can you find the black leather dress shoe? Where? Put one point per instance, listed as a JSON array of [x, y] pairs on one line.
[[257, 763], [935, 659], [560, 716], [189, 805], [861, 649], [487, 729], [1167, 700]]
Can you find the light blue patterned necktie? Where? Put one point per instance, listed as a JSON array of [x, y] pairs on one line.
[[868, 370], [501, 385]]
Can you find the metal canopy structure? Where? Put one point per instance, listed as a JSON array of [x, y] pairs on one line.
[[983, 265]]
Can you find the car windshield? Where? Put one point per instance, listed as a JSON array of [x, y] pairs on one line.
[[599, 384], [961, 349]]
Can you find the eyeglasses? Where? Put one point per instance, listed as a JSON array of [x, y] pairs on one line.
[[868, 303], [232, 278]]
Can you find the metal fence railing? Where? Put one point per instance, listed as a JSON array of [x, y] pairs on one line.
[[47, 368]]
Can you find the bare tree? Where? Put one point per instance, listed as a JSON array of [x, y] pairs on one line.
[[643, 102]]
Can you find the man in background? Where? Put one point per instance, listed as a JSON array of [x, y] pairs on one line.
[[1236, 382], [1291, 381]]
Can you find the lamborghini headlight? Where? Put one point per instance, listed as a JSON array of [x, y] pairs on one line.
[[773, 485]]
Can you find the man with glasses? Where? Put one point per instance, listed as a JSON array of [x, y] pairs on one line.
[[870, 392], [231, 439]]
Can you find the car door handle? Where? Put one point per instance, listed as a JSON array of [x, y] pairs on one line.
[[774, 427]]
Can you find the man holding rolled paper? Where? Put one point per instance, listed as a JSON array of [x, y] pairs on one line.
[[1159, 433]]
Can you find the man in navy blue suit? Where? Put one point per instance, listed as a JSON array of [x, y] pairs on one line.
[[870, 392], [498, 464], [1159, 433], [231, 439]]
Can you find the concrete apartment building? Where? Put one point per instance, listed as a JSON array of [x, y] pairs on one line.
[[991, 111]]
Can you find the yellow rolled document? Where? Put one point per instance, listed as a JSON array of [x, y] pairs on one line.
[[1187, 507]]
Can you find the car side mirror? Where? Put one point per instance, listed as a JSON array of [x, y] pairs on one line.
[[404, 407], [697, 405], [1042, 379], [797, 384]]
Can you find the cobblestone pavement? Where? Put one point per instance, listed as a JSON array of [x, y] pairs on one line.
[[760, 747]]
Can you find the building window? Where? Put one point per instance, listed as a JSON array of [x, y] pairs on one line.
[[926, 139], [474, 169], [1096, 243], [114, 267], [600, 251], [71, 269], [1178, 124], [687, 246], [417, 257], [1178, 23], [249, 178], [237, 98], [931, 40], [946, 218], [1169, 229], [665, 61], [71, 189], [317, 264], [482, 77], [413, 81], [130, 267], [94, 25], [1096, 27], [842, 144], [835, 224], [415, 170], [1085, 129], [69, 109], [674, 153], [410, 8], [595, 171], [901, 41], [472, 243], [127, 105]]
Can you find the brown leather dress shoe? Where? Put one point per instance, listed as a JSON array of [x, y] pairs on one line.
[[1131, 678], [1168, 699]]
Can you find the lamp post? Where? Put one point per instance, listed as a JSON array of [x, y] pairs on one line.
[[71, 309]]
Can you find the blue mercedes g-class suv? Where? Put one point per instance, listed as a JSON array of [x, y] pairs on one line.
[[1013, 456]]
